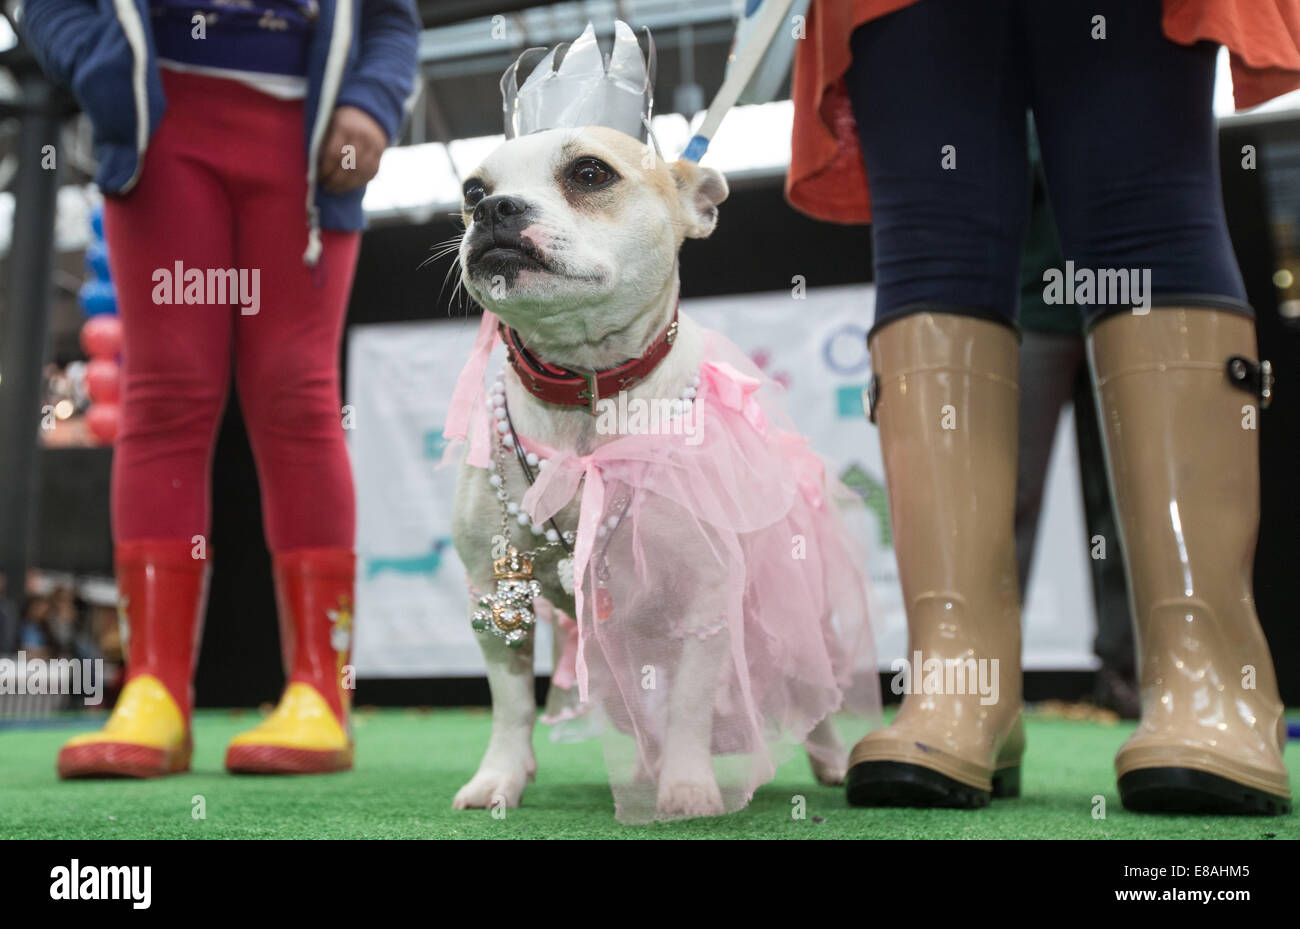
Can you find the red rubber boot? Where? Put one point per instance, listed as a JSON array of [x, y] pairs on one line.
[[310, 731], [162, 589]]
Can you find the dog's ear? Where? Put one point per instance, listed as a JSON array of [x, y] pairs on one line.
[[699, 190]]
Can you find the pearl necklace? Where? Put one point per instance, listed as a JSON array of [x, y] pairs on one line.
[[497, 473], [508, 612]]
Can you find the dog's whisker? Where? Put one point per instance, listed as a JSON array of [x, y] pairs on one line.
[[454, 268], [439, 255], [442, 249]]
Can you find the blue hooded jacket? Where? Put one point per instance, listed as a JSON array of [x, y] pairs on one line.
[[363, 54]]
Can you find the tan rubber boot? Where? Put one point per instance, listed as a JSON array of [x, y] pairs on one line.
[[947, 404], [1182, 451]]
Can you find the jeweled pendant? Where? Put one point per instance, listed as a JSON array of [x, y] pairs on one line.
[[508, 613]]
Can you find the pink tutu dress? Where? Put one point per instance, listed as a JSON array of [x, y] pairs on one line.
[[745, 521]]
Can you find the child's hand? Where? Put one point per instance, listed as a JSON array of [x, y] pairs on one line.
[[349, 157]]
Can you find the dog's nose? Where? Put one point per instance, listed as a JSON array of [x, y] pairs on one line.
[[500, 208]]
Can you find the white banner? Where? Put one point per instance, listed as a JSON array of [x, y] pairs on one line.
[[411, 603], [412, 617]]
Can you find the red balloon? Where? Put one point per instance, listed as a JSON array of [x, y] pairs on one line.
[[103, 380], [101, 336], [103, 421]]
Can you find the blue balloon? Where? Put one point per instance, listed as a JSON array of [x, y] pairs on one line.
[[97, 222], [97, 260], [97, 298]]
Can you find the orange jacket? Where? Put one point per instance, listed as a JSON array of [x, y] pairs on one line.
[[826, 178]]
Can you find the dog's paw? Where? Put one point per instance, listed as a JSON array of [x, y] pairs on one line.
[[694, 797], [828, 773], [491, 790], [826, 754]]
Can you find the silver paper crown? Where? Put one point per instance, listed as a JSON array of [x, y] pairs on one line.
[[575, 85]]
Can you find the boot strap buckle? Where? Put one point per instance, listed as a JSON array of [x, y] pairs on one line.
[[872, 397], [1252, 377]]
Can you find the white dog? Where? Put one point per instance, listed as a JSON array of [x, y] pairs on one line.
[[571, 241]]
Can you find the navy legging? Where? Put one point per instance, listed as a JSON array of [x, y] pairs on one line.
[[1128, 143]]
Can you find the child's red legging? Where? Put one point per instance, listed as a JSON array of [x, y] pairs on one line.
[[224, 186]]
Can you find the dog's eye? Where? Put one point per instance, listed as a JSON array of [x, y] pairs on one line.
[[591, 172], [474, 192]]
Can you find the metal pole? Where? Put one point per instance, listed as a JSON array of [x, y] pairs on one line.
[[25, 324]]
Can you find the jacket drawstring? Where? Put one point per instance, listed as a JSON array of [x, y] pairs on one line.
[[335, 62], [312, 254]]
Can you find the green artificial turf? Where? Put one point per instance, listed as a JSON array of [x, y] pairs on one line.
[[410, 764]]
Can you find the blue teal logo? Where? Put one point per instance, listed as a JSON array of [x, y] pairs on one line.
[[426, 563], [434, 444], [848, 402]]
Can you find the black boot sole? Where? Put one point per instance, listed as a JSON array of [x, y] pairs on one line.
[[1186, 790], [897, 783]]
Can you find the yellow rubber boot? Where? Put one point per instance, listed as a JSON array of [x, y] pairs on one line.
[[310, 730], [302, 736], [145, 736]]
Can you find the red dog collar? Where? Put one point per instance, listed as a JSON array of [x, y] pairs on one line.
[[563, 387]]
